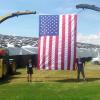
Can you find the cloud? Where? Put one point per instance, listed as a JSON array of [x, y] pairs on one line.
[[92, 38]]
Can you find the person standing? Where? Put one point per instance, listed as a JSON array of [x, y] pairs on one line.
[[29, 67], [80, 68]]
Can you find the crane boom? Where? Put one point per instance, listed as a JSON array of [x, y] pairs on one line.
[[87, 6], [18, 13]]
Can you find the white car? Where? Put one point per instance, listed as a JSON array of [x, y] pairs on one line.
[[96, 60]]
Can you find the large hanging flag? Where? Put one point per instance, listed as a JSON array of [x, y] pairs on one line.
[[57, 42]]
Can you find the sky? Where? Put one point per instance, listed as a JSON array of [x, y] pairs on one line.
[[88, 23]]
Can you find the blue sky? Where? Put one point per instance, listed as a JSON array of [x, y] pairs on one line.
[[88, 20]]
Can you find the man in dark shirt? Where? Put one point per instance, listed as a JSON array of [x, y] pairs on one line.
[[29, 67], [80, 68]]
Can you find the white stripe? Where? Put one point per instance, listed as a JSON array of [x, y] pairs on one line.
[[60, 42], [41, 52], [72, 42], [66, 43], [53, 53], [47, 50]]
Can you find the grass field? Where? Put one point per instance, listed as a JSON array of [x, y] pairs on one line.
[[52, 85]]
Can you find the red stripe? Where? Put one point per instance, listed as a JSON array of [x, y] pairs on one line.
[[50, 53], [69, 41], [63, 42], [39, 44], [56, 53], [44, 49], [75, 31]]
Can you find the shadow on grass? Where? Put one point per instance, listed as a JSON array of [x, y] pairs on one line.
[[48, 79], [81, 80], [17, 73], [8, 78], [66, 80], [93, 79]]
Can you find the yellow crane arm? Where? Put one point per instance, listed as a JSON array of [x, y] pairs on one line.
[[15, 14]]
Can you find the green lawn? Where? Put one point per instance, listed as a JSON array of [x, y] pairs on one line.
[[52, 85]]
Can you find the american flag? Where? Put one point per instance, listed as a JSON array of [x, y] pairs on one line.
[[57, 42]]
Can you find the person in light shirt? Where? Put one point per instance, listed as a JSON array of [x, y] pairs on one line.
[[29, 67], [80, 68]]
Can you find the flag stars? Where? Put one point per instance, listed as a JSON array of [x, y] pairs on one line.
[[49, 25]]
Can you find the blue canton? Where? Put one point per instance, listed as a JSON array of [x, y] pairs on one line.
[[48, 25]]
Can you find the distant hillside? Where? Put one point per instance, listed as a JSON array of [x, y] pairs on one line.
[[19, 41]]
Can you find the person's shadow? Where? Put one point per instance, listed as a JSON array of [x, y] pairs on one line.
[[92, 79], [81, 80]]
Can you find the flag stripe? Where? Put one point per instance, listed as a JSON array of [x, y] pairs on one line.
[[63, 42], [60, 42], [46, 56], [72, 42], [75, 32], [53, 53], [44, 46], [66, 43], [69, 41], [56, 53], [39, 53], [50, 52]]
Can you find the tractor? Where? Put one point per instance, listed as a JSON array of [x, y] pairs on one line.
[[7, 65]]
